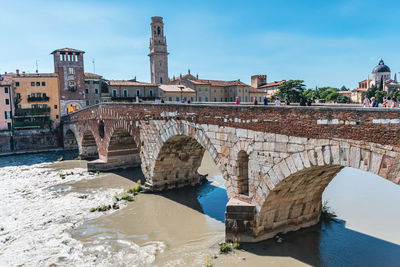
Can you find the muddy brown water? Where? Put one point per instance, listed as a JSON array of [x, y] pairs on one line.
[[190, 222]]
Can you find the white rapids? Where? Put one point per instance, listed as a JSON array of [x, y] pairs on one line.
[[37, 213]]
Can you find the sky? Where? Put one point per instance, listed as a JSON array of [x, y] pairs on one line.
[[324, 43]]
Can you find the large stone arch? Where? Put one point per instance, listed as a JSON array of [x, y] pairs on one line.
[[289, 195], [88, 145], [172, 143], [70, 140]]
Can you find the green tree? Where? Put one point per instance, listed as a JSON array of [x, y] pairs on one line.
[[375, 92], [344, 88], [291, 90]]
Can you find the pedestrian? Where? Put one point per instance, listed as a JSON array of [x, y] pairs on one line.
[[389, 102], [367, 103], [277, 102], [237, 101], [162, 101], [374, 103], [287, 102], [395, 104], [265, 101], [309, 102], [302, 102], [255, 101], [385, 102]]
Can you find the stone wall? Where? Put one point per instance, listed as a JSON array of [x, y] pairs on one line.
[[29, 140]]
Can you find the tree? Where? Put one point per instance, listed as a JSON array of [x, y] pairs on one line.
[[291, 90], [344, 88], [375, 92]]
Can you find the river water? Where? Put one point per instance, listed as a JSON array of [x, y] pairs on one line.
[[45, 221]]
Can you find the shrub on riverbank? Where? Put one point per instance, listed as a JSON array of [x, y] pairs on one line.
[[326, 213]]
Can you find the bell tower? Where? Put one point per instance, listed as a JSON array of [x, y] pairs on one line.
[[158, 52]]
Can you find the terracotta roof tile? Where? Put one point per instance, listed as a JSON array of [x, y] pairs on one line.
[[276, 83], [128, 83], [175, 88]]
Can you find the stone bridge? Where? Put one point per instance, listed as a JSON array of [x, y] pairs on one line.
[[276, 161]]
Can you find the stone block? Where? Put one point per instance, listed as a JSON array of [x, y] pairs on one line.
[[281, 138]]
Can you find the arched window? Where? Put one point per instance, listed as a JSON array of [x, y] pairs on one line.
[[243, 172], [159, 31]]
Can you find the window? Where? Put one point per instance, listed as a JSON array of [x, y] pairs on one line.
[[221, 99], [185, 98], [151, 93], [199, 89], [44, 95], [246, 90], [125, 93], [230, 90], [32, 83], [57, 117], [71, 71], [114, 93], [240, 98], [170, 99], [177, 98], [226, 99], [222, 90], [7, 115], [191, 99], [200, 99], [61, 57], [9, 125], [206, 99], [239, 90], [215, 99], [87, 102], [215, 90], [137, 93], [7, 101], [16, 83], [87, 91], [246, 98], [55, 106], [37, 83], [38, 94], [43, 83], [96, 82], [260, 99], [96, 91], [87, 82], [97, 101], [105, 100], [251, 99], [231, 99], [6, 90], [160, 79], [206, 89]]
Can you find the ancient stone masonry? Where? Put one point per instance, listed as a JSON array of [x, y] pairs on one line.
[[276, 161]]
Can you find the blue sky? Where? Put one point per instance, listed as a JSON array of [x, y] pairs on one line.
[[322, 42]]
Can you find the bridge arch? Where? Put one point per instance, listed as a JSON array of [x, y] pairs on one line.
[[290, 195], [70, 140], [170, 159], [89, 148]]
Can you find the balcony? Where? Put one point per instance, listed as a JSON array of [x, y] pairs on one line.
[[32, 112], [38, 98]]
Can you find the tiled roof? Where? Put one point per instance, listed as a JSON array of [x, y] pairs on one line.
[[128, 83], [255, 90], [89, 75], [33, 75], [219, 83], [360, 90], [276, 83], [68, 50], [175, 88]]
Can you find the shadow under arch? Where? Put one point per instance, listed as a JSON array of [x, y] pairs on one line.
[[88, 149], [70, 141], [122, 150]]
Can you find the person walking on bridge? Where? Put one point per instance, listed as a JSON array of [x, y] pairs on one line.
[[277, 102], [367, 103], [237, 101], [265, 101], [374, 103]]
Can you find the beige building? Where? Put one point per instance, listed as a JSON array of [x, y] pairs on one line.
[[176, 93], [37, 100], [214, 90], [128, 90]]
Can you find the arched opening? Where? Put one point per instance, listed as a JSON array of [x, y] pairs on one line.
[[177, 163], [243, 173], [158, 31], [70, 142], [122, 150], [89, 146]]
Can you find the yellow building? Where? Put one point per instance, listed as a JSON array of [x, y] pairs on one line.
[[37, 100]]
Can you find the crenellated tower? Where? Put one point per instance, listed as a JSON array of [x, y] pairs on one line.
[[158, 52]]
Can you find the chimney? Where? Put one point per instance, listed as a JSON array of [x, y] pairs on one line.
[[258, 80], [17, 71]]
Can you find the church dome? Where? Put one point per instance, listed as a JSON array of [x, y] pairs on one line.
[[381, 67]]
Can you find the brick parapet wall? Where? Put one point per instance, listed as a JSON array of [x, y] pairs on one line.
[[376, 125]]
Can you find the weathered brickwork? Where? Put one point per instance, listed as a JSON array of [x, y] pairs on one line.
[[276, 161]]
